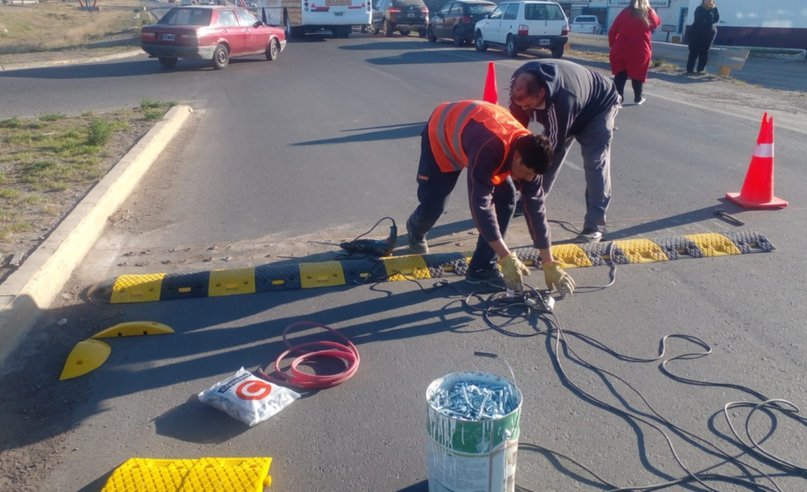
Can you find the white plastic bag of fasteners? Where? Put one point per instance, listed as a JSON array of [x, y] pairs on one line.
[[248, 398]]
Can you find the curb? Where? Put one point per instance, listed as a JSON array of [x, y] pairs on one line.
[[29, 291], [73, 61]]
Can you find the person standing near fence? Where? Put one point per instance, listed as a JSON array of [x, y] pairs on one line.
[[701, 35], [631, 49]]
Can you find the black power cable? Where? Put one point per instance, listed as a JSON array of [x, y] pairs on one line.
[[534, 305]]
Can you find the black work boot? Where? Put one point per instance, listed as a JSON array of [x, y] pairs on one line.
[[417, 243]]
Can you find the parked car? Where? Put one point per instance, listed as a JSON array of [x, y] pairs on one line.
[[215, 33], [456, 20], [518, 26], [586, 24], [403, 16]]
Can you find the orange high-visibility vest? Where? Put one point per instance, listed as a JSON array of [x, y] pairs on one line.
[[448, 121]]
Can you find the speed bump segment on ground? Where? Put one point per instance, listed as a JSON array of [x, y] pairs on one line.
[[362, 270], [185, 475]]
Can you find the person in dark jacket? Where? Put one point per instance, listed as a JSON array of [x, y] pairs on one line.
[[572, 103], [500, 155], [701, 35]]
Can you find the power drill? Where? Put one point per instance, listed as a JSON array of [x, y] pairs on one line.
[[374, 247]]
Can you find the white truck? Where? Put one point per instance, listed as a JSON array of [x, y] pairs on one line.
[[300, 16]]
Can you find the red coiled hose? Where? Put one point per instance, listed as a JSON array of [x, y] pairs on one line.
[[346, 352]]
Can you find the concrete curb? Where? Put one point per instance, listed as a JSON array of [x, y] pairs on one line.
[[72, 61], [29, 291]]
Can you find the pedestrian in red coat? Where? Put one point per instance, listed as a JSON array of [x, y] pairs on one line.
[[629, 40]]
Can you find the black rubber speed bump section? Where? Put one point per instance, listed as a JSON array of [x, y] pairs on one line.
[[267, 278]]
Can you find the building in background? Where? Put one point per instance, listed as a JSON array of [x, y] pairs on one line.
[[772, 23]]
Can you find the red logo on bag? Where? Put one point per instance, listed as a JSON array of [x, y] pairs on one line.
[[253, 390]]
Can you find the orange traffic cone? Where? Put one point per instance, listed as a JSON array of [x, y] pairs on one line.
[[757, 191], [491, 93]]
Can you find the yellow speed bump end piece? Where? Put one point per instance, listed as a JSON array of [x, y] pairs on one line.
[[167, 475], [133, 329], [86, 356]]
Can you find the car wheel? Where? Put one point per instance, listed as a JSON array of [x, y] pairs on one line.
[[557, 52], [221, 57], [273, 50], [430, 36], [387, 28], [479, 42], [422, 33], [405, 32], [458, 41], [511, 47], [168, 62]]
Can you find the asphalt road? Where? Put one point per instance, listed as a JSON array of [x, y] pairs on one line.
[[283, 157]]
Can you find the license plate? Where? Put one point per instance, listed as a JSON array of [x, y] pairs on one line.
[[168, 37], [543, 42], [410, 14]]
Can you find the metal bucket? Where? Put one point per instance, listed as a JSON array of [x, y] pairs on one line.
[[465, 455]]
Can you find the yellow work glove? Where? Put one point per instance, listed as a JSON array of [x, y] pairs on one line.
[[555, 276], [514, 271]]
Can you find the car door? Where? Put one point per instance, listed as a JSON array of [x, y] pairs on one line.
[[509, 23], [256, 39], [438, 20], [490, 27], [228, 28], [453, 17]]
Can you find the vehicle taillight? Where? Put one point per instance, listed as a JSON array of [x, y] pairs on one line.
[[424, 11], [148, 36], [565, 30], [523, 29], [465, 19], [188, 37], [394, 11]]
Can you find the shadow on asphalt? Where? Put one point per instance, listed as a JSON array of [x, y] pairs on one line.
[[387, 132], [674, 221]]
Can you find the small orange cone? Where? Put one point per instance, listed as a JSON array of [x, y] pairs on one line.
[[491, 93], [757, 191]]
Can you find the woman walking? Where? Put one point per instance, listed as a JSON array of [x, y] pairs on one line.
[[702, 34], [629, 40]]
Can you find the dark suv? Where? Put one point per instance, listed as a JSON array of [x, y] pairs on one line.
[[403, 16], [456, 20]]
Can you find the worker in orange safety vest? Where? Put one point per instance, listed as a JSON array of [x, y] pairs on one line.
[[501, 156]]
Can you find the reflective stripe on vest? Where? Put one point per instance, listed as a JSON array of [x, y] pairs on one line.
[[448, 122]]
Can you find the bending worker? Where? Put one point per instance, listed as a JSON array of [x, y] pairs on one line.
[[500, 154], [572, 103]]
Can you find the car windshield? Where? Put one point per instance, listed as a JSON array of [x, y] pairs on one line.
[[586, 19], [554, 12], [187, 17], [476, 9]]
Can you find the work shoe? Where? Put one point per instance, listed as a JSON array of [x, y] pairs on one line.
[[417, 244], [588, 236], [491, 277]]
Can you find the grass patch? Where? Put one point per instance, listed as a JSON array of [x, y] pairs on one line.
[[50, 161], [30, 27]]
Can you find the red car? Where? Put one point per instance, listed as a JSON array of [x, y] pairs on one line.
[[215, 33]]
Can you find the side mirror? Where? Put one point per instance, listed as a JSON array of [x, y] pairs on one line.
[[257, 24]]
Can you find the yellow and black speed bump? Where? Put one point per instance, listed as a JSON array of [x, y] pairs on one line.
[[349, 271]]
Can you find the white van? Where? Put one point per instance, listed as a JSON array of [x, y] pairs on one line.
[[518, 26]]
